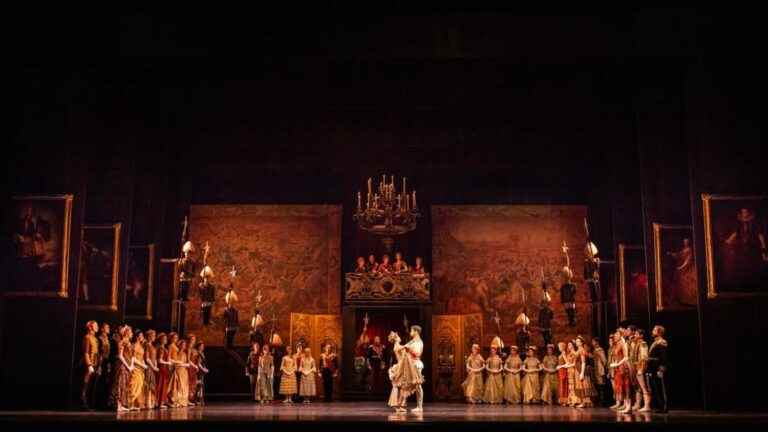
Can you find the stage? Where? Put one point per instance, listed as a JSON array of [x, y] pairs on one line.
[[367, 416]]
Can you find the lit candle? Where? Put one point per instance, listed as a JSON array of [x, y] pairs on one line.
[[369, 186], [399, 197], [404, 186], [359, 204], [414, 199]]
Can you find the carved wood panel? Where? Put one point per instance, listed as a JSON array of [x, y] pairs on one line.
[[452, 339]]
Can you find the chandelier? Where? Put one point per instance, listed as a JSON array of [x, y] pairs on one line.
[[386, 211]]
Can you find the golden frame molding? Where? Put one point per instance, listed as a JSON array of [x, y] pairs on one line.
[[622, 272], [706, 206], [657, 278], [112, 306], [63, 291], [150, 282]]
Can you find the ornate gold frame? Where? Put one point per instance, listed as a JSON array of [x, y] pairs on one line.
[[622, 271], [657, 227], [708, 248], [150, 281], [117, 227], [63, 291]]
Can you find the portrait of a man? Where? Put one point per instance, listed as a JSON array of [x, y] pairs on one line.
[[41, 235], [99, 267], [139, 281]]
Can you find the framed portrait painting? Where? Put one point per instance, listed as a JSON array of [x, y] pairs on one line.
[[99, 267], [139, 285], [735, 244], [674, 267], [633, 282], [40, 230]]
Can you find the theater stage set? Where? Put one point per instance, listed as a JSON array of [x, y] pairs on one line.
[[501, 139]]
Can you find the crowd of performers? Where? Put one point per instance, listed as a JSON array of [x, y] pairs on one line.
[[276, 371], [399, 265], [134, 370], [577, 373]]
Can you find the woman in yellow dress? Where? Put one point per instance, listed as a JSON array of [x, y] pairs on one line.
[[308, 369], [288, 376], [150, 373], [494, 384], [513, 390], [180, 376], [473, 384], [570, 356], [531, 386], [549, 385], [137, 395]]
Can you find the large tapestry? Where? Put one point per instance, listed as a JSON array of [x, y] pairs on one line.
[[289, 254], [490, 259]]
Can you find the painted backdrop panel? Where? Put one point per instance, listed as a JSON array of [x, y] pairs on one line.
[[292, 253], [488, 258]]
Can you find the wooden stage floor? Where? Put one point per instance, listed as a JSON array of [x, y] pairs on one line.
[[368, 416]]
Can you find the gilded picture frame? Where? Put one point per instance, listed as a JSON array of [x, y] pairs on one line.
[[42, 238], [140, 282], [88, 249], [662, 259], [625, 271], [722, 217]]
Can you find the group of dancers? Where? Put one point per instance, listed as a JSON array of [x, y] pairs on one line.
[[297, 373], [134, 370], [578, 373]]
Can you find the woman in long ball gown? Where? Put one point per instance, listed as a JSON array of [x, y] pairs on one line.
[[494, 384], [571, 356], [137, 394], [531, 385], [121, 393], [513, 389], [398, 352], [549, 384], [150, 373], [585, 369], [308, 387], [288, 376], [473, 384], [164, 373], [179, 392], [562, 375], [266, 373]]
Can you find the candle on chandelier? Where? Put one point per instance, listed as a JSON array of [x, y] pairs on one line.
[[359, 204], [369, 186], [414, 199], [368, 201], [404, 186]]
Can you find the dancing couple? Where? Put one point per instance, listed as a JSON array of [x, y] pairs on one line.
[[406, 374]]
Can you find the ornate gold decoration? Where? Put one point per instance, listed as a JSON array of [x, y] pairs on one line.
[[387, 287]]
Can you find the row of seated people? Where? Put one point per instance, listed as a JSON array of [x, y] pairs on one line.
[[385, 266]]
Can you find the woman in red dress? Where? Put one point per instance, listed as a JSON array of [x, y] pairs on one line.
[[562, 375], [164, 375]]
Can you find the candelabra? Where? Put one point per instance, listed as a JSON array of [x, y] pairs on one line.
[[387, 212]]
